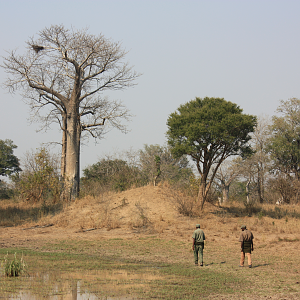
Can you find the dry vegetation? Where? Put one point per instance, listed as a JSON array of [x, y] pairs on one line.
[[153, 212]]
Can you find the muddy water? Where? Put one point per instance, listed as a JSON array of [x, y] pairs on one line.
[[71, 286], [72, 296]]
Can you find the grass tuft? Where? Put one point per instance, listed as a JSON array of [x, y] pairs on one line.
[[14, 267]]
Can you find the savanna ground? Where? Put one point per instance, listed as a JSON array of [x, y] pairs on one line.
[[135, 245]]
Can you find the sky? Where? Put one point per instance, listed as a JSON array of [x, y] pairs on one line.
[[246, 52]]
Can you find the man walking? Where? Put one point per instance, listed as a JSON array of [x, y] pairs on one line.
[[198, 244], [246, 239]]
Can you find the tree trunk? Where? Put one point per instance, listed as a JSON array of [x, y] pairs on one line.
[[247, 191], [225, 192], [64, 147], [73, 132], [202, 194], [260, 182]]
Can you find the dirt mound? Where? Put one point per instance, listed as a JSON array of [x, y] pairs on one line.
[[136, 207]]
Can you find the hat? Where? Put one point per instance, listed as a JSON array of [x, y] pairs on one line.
[[243, 227], [197, 225]]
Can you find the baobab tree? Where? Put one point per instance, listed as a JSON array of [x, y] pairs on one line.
[[62, 76]]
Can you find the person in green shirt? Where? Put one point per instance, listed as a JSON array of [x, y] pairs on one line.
[[198, 244]]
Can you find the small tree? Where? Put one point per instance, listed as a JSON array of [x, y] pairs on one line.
[[209, 130], [226, 174], [285, 187], [40, 178], [284, 143], [9, 163], [113, 174], [157, 162]]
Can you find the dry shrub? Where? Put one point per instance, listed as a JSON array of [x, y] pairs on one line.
[[186, 203], [285, 189], [107, 219], [251, 207], [159, 227], [140, 217], [93, 189]]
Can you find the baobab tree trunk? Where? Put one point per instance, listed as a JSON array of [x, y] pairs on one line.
[[64, 147], [73, 133]]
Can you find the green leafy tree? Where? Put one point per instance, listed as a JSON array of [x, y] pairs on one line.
[[284, 144], [9, 163], [209, 130], [114, 174]]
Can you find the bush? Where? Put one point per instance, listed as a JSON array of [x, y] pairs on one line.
[[6, 192], [251, 208], [109, 174], [40, 180]]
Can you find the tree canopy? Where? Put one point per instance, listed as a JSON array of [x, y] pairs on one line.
[[209, 130], [9, 163], [115, 174], [284, 143]]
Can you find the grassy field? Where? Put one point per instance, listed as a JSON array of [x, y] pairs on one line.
[[152, 260], [152, 268]]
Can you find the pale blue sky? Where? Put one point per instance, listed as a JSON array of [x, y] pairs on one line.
[[244, 51]]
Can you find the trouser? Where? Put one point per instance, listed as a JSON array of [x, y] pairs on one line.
[[243, 258], [198, 249]]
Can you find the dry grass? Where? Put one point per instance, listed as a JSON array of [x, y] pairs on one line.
[[144, 216], [151, 207]]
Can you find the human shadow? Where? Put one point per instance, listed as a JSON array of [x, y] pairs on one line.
[[260, 265]]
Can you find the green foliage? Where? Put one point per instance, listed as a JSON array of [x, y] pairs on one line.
[[6, 192], [14, 267], [238, 190], [284, 144], [9, 163], [114, 174], [40, 181], [210, 127], [157, 164], [209, 130], [150, 163]]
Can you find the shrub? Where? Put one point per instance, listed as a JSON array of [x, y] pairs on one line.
[[40, 180]]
